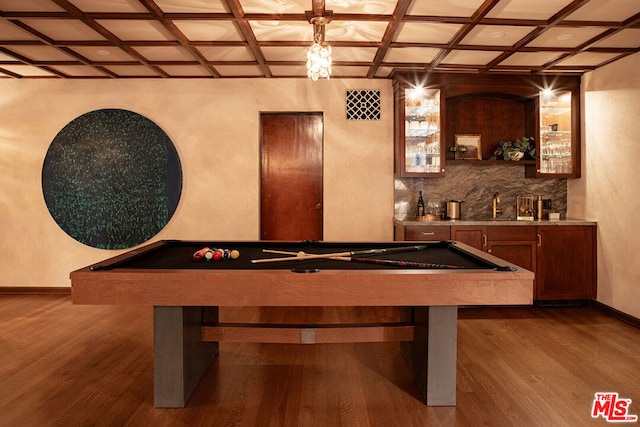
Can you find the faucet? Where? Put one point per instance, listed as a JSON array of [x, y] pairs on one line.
[[495, 206]]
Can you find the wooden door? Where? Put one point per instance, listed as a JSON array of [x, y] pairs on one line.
[[522, 254], [566, 263], [516, 244], [291, 176], [470, 235]]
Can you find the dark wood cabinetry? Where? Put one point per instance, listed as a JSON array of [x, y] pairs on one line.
[[562, 256], [566, 263], [485, 114], [422, 232], [471, 235], [514, 244], [500, 107]]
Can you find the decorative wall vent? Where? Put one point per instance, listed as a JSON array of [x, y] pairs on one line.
[[363, 105]]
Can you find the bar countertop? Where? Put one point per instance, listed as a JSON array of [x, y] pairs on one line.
[[487, 222]]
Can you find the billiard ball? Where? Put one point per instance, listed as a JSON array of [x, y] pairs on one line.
[[217, 255], [199, 255], [235, 254]]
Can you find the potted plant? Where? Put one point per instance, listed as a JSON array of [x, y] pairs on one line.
[[515, 150]]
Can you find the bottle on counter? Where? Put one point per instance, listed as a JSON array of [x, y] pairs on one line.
[[540, 208], [421, 211]]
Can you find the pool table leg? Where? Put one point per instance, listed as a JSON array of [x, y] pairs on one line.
[[180, 358], [432, 355]]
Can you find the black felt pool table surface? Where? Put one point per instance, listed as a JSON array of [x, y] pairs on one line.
[[175, 254]]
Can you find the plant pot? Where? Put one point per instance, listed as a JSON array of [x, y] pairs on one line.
[[515, 155]]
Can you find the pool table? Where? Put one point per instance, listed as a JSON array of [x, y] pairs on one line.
[[436, 278]]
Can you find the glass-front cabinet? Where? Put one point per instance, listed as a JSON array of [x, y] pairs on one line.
[[556, 153], [418, 131]]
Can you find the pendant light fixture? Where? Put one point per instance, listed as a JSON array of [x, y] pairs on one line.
[[319, 53]]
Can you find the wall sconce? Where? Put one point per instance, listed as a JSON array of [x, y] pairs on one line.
[[318, 54]]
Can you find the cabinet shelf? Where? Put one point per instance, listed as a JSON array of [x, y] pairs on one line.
[[555, 110], [555, 132], [420, 132]]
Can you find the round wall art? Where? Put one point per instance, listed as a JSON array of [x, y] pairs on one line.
[[112, 179]]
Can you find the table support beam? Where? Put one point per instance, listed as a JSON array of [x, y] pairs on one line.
[[180, 357], [309, 334], [432, 356]]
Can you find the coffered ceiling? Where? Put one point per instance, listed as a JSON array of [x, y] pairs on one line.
[[268, 38]]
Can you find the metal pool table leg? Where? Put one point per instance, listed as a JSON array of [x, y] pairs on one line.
[[432, 355], [180, 357]]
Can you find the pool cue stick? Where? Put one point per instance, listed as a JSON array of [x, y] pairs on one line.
[[273, 251], [377, 261], [396, 263], [346, 254]]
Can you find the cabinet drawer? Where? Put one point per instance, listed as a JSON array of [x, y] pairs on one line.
[[505, 232], [425, 232]]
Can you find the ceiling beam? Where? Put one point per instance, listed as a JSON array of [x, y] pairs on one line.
[[182, 39]]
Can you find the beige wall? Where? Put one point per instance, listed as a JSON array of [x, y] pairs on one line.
[[609, 189], [215, 128]]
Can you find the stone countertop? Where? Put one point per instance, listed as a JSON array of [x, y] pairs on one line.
[[448, 222]]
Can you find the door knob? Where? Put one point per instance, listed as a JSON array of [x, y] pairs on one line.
[[318, 206]]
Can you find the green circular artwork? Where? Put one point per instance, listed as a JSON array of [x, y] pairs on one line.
[[112, 179]]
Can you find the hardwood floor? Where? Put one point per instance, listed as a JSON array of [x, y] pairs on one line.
[[66, 365]]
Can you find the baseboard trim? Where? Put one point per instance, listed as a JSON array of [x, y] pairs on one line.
[[624, 317], [34, 290]]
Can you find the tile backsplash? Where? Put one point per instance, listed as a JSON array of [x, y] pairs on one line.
[[475, 186]]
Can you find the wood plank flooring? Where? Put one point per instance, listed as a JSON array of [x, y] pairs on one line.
[[66, 365]]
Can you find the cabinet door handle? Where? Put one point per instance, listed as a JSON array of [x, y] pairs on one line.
[[484, 239], [539, 239], [428, 233]]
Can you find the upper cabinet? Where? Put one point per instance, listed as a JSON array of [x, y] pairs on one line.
[[418, 131], [558, 147], [461, 118]]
